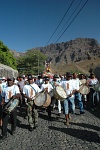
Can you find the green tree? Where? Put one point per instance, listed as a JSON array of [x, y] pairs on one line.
[[6, 57], [31, 63]]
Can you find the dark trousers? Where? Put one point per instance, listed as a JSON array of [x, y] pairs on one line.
[[50, 107], [13, 118]]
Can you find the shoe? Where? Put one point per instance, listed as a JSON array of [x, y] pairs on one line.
[[30, 129], [82, 112], [35, 126], [3, 138], [13, 132]]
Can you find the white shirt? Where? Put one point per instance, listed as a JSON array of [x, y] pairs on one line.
[[10, 91], [76, 83], [49, 86], [68, 87], [31, 92]]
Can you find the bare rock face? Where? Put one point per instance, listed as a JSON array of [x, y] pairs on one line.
[[73, 51], [6, 71]]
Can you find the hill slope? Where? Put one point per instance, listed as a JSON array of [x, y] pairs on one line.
[[80, 55]]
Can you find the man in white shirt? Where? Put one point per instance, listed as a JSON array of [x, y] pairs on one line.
[[47, 87], [29, 92], [69, 104], [11, 91], [93, 95], [78, 96]]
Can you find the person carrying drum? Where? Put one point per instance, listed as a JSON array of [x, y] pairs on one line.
[[69, 105], [29, 92], [47, 87], [77, 95], [2, 86], [93, 95], [83, 85], [10, 92], [55, 83]]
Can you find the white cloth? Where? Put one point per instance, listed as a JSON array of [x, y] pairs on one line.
[[49, 86], [27, 90], [10, 89], [68, 86], [76, 83]]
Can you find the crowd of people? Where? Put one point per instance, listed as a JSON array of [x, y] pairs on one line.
[[79, 90]]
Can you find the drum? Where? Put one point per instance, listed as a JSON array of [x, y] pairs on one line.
[[84, 90], [11, 105], [48, 101], [40, 99], [59, 93], [96, 87]]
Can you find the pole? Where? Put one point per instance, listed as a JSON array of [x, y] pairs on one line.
[[38, 62]]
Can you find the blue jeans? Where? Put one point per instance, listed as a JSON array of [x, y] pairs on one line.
[[69, 105], [94, 98], [78, 97]]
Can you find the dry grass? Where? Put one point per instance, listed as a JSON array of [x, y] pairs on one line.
[[81, 66]]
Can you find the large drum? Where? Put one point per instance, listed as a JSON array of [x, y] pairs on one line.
[[11, 105], [59, 93], [40, 99], [48, 101], [84, 90], [96, 87]]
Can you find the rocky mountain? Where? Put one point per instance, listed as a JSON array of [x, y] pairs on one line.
[[69, 55], [72, 51]]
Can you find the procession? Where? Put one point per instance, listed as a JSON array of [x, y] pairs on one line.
[[46, 93]]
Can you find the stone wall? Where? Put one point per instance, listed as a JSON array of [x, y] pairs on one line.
[[6, 71]]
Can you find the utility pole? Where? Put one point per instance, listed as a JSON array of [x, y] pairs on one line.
[[38, 62]]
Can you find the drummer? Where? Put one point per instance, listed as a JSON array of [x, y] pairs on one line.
[[29, 92], [93, 95], [77, 95], [69, 105], [11, 91], [56, 82], [83, 81], [47, 87]]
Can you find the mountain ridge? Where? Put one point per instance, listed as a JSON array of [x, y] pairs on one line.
[[65, 55]]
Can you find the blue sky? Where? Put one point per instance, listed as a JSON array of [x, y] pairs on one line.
[[26, 24]]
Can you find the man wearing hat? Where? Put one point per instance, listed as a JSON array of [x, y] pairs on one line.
[[11, 91], [29, 92]]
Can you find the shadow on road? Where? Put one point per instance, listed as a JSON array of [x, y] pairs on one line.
[[87, 126], [84, 135]]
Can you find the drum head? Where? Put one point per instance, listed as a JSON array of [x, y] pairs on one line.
[[11, 105], [40, 99], [59, 93], [14, 104], [97, 87], [84, 90], [48, 101]]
